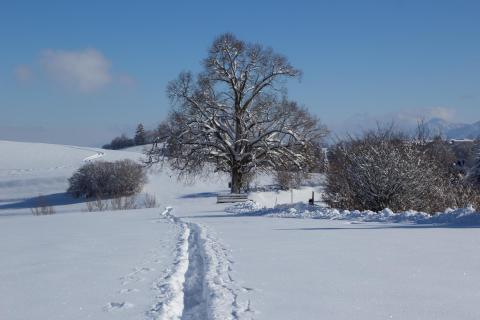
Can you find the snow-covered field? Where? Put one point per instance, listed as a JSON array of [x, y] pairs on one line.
[[83, 265], [200, 260]]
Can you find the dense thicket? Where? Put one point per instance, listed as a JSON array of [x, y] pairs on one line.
[[386, 169], [141, 137], [120, 143], [474, 173], [107, 179]]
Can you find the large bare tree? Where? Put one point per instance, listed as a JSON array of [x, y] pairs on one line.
[[235, 116]]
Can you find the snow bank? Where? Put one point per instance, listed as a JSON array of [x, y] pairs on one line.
[[171, 289], [220, 289], [464, 216]]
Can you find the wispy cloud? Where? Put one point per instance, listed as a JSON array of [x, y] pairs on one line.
[[84, 70], [22, 73]]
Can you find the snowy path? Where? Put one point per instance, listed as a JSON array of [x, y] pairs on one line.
[[96, 156], [200, 285]]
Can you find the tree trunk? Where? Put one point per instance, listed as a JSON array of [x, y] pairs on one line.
[[236, 180], [237, 175]]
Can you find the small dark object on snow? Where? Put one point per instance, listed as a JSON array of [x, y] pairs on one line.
[[312, 200], [232, 197]]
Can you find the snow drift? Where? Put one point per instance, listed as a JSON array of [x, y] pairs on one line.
[[464, 216]]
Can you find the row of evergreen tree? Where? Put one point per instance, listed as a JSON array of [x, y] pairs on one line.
[[141, 137]]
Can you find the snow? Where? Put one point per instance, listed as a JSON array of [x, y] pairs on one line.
[[200, 260], [138, 149], [465, 216], [171, 300], [83, 265], [311, 269]]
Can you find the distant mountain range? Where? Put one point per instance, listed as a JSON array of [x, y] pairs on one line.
[[451, 130]]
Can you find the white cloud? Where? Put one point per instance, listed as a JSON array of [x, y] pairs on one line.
[[22, 73], [84, 70]]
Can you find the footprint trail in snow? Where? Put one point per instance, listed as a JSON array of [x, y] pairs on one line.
[[199, 286]]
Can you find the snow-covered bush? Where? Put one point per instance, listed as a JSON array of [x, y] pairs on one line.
[[107, 179], [459, 189], [386, 169], [474, 173]]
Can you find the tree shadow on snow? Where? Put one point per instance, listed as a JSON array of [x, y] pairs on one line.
[[199, 195], [355, 224], [385, 226], [54, 199]]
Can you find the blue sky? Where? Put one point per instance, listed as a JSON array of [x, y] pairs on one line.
[[80, 72]]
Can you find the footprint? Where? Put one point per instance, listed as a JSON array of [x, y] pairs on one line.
[[129, 279], [127, 290], [247, 289], [113, 306]]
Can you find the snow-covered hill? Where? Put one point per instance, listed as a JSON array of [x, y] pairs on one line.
[[28, 170], [454, 130]]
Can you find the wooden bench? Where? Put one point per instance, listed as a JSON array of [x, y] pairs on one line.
[[232, 197]]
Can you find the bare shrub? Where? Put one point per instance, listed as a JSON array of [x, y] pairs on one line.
[[150, 201], [97, 205], [386, 169], [123, 203], [289, 179], [107, 179], [117, 203], [42, 207]]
